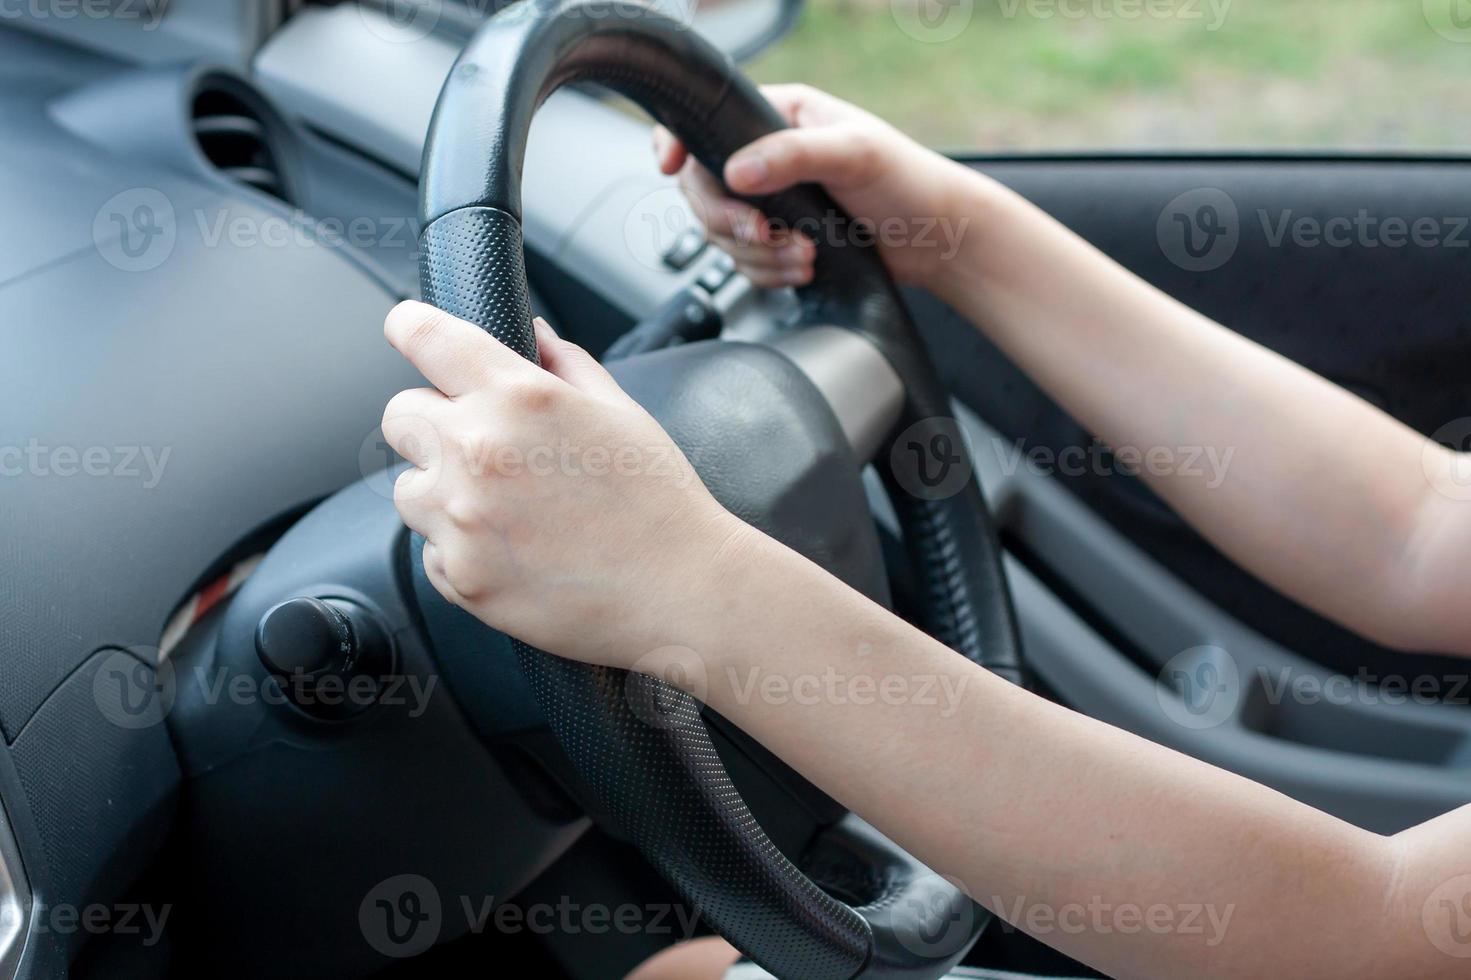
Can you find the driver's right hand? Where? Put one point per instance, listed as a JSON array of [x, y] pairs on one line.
[[910, 199]]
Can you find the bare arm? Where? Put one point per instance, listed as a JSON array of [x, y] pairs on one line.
[[1124, 854], [1319, 494]]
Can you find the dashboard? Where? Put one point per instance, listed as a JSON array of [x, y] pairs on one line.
[[181, 395]]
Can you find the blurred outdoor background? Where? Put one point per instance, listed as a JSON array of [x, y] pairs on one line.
[[997, 75]]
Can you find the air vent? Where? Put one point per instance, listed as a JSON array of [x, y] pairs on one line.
[[233, 137]]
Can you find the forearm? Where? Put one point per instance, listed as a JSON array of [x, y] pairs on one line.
[[1307, 486], [1071, 828]]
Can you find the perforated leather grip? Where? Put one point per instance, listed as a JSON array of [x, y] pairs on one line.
[[640, 745]]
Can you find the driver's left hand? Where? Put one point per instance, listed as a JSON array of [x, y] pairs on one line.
[[555, 508]]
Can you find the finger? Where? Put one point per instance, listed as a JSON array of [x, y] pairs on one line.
[[796, 253], [571, 363], [803, 105], [434, 572], [720, 213], [457, 357], [411, 425], [832, 155], [669, 151], [778, 278], [413, 499]]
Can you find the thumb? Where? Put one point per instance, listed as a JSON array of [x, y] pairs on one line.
[[831, 155], [571, 363]]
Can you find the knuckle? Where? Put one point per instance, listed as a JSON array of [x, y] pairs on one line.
[[462, 512], [532, 395], [397, 406], [863, 152], [433, 562], [403, 488], [465, 574]]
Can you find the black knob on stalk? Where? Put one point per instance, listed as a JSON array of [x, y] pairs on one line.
[[327, 654]]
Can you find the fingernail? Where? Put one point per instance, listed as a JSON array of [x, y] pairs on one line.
[[792, 253], [541, 324], [797, 277], [746, 169]]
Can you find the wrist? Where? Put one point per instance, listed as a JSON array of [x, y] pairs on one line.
[[967, 212], [712, 580], [735, 607]]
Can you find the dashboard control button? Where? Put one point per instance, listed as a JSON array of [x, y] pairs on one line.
[[717, 273], [686, 248]]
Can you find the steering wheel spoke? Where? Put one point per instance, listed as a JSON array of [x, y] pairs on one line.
[[861, 387]]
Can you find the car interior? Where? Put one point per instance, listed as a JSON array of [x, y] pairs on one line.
[[209, 207]]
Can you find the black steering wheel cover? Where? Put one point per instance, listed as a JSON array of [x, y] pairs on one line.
[[529, 50], [641, 745]]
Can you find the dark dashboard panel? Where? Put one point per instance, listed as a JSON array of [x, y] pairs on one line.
[[201, 400], [174, 379]]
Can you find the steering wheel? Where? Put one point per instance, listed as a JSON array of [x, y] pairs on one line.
[[664, 783]]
